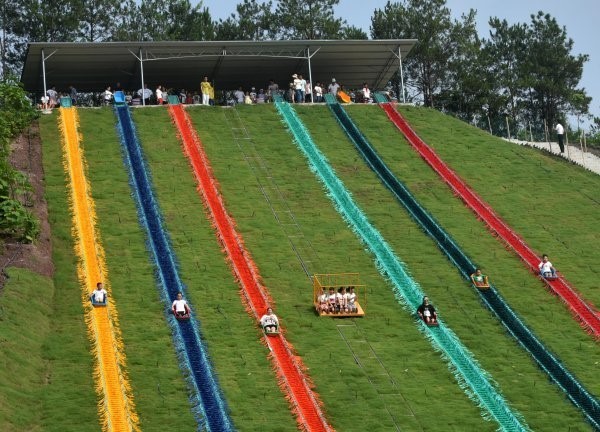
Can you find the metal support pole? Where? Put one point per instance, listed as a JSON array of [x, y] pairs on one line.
[[401, 75], [581, 147], [546, 133], [44, 74], [142, 75], [312, 93]]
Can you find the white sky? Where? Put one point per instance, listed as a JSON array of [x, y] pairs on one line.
[[580, 17]]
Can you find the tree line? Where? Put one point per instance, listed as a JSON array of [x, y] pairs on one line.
[[524, 76]]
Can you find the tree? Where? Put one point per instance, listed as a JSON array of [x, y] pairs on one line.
[[468, 86], [8, 39], [98, 19], [353, 33], [308, 19], [159, 20], [507, 51], [553, 72], [429, 22], [253, 21]]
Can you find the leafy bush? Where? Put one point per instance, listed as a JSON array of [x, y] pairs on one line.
[[16, 113]]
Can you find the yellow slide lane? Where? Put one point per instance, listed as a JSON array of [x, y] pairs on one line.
[[115, 406]]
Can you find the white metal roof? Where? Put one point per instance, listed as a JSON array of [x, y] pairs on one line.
[[93, 66]]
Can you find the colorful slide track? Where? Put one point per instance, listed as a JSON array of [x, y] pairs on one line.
[[115, 407], [290, 371], [208, 404], [547, 361], [582, 311], [469, 374]]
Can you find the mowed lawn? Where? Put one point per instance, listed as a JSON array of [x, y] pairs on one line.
[[401, 381], [525, 386]]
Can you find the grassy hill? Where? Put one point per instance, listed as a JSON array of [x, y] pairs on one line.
[[377, 373]]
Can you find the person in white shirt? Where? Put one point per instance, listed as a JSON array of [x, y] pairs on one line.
[[560, 133], [322, 306], [333, 87], [269, 322], [159, 95], [99, 294], [180, 306], [351, 299], [107, 95], [298, 88], [145, 93], [547, 270], [52, 96], [239, 95], [332, 300], [366, 93], [318, 93]]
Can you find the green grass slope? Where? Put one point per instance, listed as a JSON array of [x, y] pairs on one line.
[[406, 384], [553, 204], [157, 382], [543, 312], [240, 359], [521, 382], [26, 297], [350, 400]]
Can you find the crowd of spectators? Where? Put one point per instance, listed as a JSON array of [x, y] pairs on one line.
[[299, 90]]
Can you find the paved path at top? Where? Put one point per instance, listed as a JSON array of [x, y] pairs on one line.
[[572, 152]]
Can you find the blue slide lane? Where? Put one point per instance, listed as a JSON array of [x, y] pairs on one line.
[[476, 383], [208, 404], [546, 360]]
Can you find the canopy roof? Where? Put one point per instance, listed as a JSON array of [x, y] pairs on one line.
[[229, 64]]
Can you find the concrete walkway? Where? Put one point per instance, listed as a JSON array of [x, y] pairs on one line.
[[573, 153]]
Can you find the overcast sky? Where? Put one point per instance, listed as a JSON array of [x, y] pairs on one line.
[[580, 17]]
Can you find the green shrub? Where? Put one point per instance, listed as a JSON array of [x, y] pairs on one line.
[[16, 113]]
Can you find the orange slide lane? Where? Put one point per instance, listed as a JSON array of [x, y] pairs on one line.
[[116, 409], [293, 379]]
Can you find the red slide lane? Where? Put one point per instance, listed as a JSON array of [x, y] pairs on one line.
[[296, 384], [583, 312]]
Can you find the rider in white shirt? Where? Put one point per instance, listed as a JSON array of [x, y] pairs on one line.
[[180, 306]]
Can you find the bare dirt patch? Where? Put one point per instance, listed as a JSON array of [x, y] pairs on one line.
[[26, 156]]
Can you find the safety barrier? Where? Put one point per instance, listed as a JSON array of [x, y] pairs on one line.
[[208, 404], [292, 375], [547, 361], [476, 382], [116, 408]]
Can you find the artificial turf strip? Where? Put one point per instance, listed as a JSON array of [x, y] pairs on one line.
[[161, 393], [66, 395], [23, 368], [545, 315], [470, 376], [523, 384], [291, 373], [357, 399], [116, 409], [240, 360], [547, 361], [581, 311], [208, 404], [550, 202]]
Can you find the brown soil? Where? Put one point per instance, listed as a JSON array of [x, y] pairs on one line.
[[26, 156]]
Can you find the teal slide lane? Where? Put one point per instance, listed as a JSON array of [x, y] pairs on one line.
[[476, 383], [545, 359]]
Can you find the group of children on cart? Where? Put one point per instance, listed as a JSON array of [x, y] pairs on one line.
[[342, 301]]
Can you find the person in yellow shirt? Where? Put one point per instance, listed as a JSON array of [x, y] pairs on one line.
[[206, 89]]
